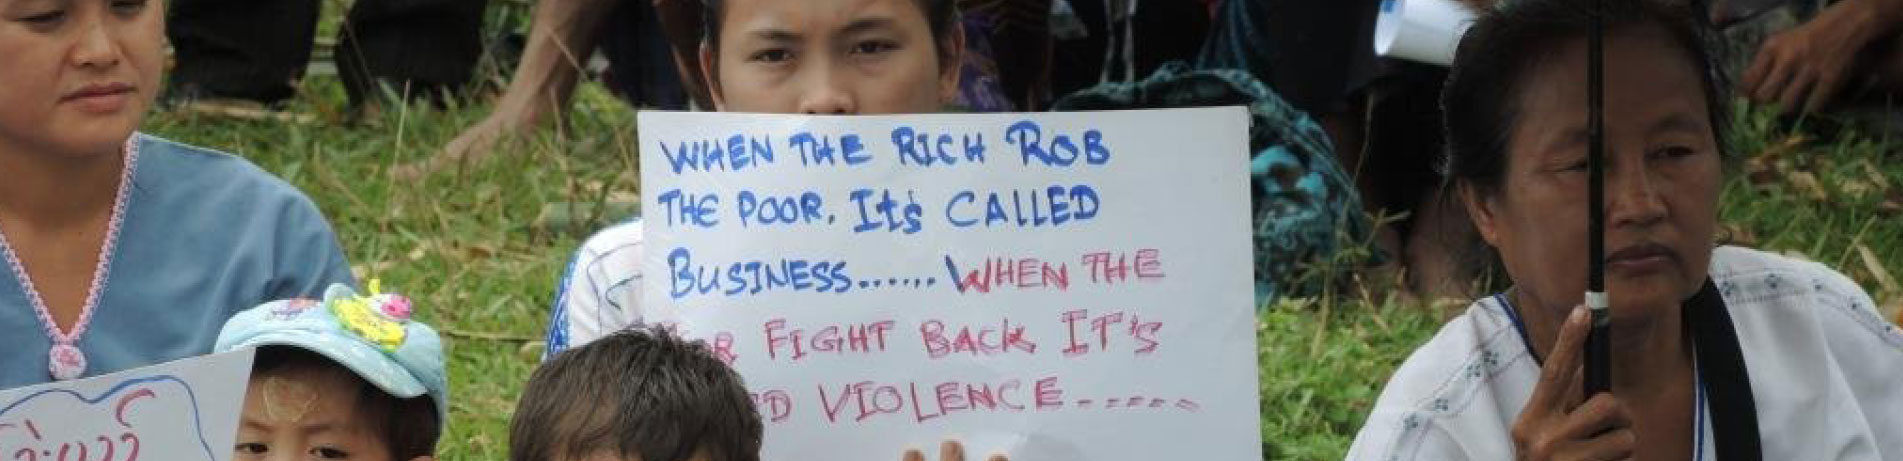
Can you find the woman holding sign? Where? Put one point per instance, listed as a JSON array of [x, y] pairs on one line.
[[1724, 353], [821, 57], [126, 250], [811, 57]]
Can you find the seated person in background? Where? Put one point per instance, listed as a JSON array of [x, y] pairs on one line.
[[653, 52], [1503, 380], [126, 250], [906, 65], [649, 44], [642, 394], [1853, 47], [255, 52], [350, 377], [653, 46]]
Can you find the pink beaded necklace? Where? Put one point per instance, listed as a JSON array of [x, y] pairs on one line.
[[65, 360]]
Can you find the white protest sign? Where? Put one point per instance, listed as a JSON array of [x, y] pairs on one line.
[[185, 410], [1055, 286]]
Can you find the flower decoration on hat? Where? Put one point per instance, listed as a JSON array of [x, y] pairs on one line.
[[378, 318], [290, 309]]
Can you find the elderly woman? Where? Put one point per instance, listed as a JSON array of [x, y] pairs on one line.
[[1725, 353]]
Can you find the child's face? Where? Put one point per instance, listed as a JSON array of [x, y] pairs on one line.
[[76, 76], [829, 57], [306, 413]]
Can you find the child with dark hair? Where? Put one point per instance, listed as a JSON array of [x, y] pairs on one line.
[[637, 394], [350, 377], [644, 394]]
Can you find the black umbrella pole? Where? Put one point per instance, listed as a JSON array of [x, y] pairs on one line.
[[1598, 341]]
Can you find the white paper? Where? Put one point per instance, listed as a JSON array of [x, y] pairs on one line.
[[1426, 31], [186, 410], [1148, 256]]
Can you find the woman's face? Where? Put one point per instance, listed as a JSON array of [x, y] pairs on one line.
[[1663, 175], [829, 57], [76, 76]]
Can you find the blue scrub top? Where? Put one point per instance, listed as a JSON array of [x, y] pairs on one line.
[[205, 235]]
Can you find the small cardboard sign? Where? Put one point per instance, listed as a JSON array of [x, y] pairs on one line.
[[185, 410]]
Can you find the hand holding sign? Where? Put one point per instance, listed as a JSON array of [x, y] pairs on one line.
[[948, 451]]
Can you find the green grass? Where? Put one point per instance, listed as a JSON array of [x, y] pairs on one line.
[[468, 247], [465, 245]]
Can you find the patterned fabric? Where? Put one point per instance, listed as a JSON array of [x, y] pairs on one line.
[[997, 79], [1314, 54], [1305, 205], [980, 85], [1821, 367], [1235, 41], [1008, 15], [600, 293]]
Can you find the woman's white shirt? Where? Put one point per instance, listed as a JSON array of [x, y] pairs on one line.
[[1826, 372]]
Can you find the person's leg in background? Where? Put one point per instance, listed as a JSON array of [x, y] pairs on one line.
[[1168, 31], [641, 65], [1077, 61], [422, 49], [239, 49], [565, 34], [1889, 61], [1024, 65], [1404, 143], [1114, 47]]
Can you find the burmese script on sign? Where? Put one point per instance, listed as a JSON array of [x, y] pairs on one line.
[[185, 410]]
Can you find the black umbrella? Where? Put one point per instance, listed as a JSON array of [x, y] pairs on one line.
[[1721, 367]]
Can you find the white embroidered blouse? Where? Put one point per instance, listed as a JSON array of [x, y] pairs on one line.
[[1826, 373]]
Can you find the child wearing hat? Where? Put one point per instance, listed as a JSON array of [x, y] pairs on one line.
[[348, 377]]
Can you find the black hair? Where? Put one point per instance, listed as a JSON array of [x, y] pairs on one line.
[[1480, 99], [942, 15], [641, 392], [1490, 67], [409, 427]]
